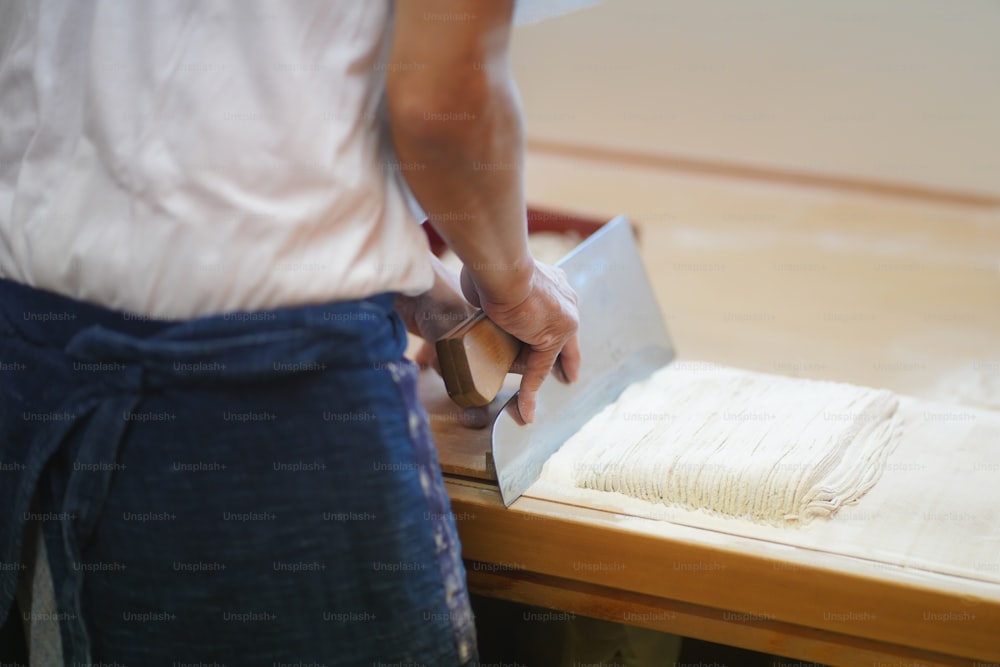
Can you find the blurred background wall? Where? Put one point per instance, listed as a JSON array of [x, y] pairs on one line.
[[900, 92]]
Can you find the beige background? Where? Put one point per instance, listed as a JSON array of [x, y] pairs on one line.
[[903, 91]]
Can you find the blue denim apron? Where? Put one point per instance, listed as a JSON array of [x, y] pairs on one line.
[[247, 489]]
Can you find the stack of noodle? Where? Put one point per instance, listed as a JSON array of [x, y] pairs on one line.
[[767, 448]]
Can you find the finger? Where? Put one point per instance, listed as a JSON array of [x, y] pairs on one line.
[[539, 364], [469, 289], [521, 361], [427, 357], [514, 412], [474, 417], [570, 360], [558, 372]]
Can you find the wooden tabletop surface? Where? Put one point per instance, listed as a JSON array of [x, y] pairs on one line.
[[806, 282]]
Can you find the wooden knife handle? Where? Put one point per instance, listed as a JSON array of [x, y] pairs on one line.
[[475, 358]]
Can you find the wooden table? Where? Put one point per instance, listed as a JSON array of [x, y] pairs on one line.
[[843, 286], [800, 603]]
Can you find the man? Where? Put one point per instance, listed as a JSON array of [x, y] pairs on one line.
[[213, 447]]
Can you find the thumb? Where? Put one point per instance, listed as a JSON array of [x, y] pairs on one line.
[[426, 357], [475, 418]]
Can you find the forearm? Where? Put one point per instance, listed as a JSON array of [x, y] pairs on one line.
[[471, 187], [459, 133], [456, 124]]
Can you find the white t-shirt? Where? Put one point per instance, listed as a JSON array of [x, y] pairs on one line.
[[182, 158]]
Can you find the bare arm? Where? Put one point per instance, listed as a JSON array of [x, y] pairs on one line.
[[454, 110]]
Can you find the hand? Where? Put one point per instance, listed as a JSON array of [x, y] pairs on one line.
[[545, 318], [431, 315]]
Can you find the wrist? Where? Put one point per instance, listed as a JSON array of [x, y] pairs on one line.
[[502, 286]]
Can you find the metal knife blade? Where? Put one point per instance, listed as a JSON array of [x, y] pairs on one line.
[[623, 339]]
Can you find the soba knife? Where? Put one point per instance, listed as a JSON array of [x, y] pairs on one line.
[[622, 340]]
